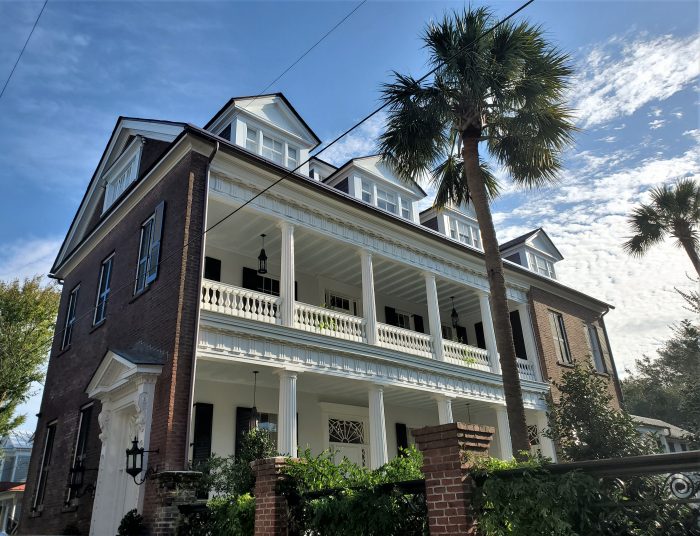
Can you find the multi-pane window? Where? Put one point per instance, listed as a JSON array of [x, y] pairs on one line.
[[386, 200], [596, 349], [272, 149], [81, 443], [103, 290], [465, 233], [406, 208], [341, 303], [149, 249], [251, 140], [446, 332], [46, 457], [541, 265], [561, 343], [367, 191], [70, 318], [292, 157], [403, 320]]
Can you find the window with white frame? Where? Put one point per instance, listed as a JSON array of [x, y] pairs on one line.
[[406, 209], [403, 320], [386, 200], [103, 289], [292, 157], [81, 446], [149, 249], [465, 233], [70, 318], [120, 181], [251, 139], [541, 265], [272, 149], [343, 304], [46, 458], [367, 191], [596, 350]]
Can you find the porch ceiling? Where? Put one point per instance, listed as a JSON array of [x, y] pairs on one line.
[[320, 256], [329, 388]]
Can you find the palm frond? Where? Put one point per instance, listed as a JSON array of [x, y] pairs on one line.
[[649, 230], [451, 183]]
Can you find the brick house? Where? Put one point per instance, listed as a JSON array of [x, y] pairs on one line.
[[328, 310]]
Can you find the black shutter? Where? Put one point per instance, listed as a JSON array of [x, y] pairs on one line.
[[390, 314], [462, 335], [401, 438], [212, 269], [518, 339], [154, 252], [480, 341], [242, 426], [250, 279], [201, 443], [418, 323]]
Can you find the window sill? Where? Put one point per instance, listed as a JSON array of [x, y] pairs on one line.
[[36, 512], [70, 507], [64, 350], [98, 325], [567, 365], [139, 294]]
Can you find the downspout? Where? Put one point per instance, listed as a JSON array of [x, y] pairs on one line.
[[616, 378], [190, 405]]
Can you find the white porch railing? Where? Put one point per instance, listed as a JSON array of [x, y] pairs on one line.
[[405, 340], [236, 301], [329, 322], [526, 370], [467, 356]]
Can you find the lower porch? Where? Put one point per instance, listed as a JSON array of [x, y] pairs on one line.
[[358, 419]]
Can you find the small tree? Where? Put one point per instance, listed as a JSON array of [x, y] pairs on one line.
[[586, 426], [27, 319]]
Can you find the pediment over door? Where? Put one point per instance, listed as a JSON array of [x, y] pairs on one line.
[[118, 368]]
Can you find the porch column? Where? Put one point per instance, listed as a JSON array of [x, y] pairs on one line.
[[377, 428], [444, 404], [529, 337], [489, 333], [434, 315], [546, 444], [287, 414], [369, 304], [287, 274], [503, 433]]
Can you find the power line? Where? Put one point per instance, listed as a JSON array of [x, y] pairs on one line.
[[292, 171], [23, 48]]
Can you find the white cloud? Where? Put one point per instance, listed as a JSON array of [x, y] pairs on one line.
[[620, 76], [607, 139], [26, 258], [360, 142], [656, 123]]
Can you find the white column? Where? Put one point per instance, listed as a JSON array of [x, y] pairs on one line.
[[5, 514], [287, 274], [434, 315], [444, 404], [546, 444], [287, 414], [369, 304], [503, 433], [377, 428], [529, 337], [489, 333]]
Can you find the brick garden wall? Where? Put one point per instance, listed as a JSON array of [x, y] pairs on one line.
[[163, 317]]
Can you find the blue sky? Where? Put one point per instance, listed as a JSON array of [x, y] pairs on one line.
[[636, 92]]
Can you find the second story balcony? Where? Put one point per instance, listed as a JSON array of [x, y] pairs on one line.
[[330, 288]]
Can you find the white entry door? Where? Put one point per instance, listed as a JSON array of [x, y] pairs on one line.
[[347, 438]]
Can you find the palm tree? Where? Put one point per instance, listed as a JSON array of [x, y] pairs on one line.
[[502, 91], [675, 211]]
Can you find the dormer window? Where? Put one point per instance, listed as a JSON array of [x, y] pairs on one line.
[[406, 209], [367, 192], [541, 265], [272, 149], [386, 200], [251, 140], [465, 233], [292, 157], [122, 173]]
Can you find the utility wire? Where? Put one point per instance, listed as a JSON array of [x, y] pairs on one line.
[[289, 173], [23, 48]]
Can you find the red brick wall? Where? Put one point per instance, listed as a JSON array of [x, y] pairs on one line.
[[163, 317], [575, 317]]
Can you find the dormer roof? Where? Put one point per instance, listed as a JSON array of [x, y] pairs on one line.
[[537, 239], [272, 108], [374, 165]]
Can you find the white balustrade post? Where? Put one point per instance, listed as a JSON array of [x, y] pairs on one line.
[[287, 274], [504, 433], [489, 333], [434, 316], [444, 404], [287, 414], [529, 337], [377, 428], [546, 444], [369, 304]]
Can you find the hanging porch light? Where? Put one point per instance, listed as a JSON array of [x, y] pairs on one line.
[[454, 316], [262, 258], [253, 423]]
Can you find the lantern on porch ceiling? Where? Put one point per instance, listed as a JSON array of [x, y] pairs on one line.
[[253, 423], [262, 258], [454, 316]]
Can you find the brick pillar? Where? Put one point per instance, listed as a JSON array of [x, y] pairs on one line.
[[448, 486], [173, 489], [270, 506]]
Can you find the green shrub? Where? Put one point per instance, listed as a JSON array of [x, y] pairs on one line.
[[131, 524], [223, 516]]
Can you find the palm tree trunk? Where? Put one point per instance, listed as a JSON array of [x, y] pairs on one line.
[[499, 303], [692, 253]]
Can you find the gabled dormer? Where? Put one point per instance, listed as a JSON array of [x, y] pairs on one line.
[[372, 181], [320, 170], [456, 222], [535, 251], [269, 126]]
